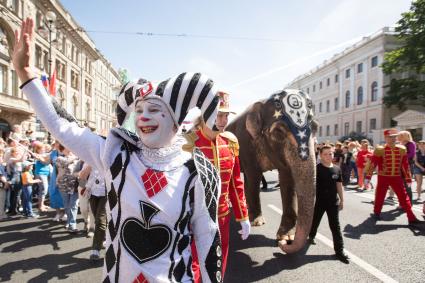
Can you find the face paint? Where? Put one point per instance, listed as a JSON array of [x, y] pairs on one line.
[[154, 124]]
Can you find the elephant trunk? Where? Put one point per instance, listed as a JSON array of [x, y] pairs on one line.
[[302, 228], [306, 192]]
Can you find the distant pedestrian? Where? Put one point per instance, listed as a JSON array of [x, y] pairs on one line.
[[27, 182], [419, 168], [329, 199]]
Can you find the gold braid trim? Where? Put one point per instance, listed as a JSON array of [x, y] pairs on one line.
[[233, 142], [191, 137]]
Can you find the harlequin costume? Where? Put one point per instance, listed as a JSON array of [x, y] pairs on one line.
[[392, 168], [223, 152], [157, 198]]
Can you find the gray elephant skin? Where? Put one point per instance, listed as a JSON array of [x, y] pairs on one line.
[[277, 133]]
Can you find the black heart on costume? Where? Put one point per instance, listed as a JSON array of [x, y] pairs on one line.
[[143, 240]]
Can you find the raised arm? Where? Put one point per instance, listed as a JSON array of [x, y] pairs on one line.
[[80, 141]]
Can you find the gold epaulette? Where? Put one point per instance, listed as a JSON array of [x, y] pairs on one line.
[[233, 141], [379, 151], [403, 149], [191, 137]]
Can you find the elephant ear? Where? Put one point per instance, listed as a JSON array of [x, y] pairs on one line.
[[254, 121]]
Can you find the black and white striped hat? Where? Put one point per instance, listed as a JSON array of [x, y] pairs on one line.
[[180, 93]]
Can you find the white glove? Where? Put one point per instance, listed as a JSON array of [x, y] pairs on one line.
[[87, 193], [246, 228], [366, 182]]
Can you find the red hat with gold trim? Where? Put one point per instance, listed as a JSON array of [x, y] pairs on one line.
[[224, 105], [391, 132]]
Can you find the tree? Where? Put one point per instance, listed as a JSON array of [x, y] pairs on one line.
[[123, 73], [408, 59]]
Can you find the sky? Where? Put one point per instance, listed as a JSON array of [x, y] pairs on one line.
[[249, 48]]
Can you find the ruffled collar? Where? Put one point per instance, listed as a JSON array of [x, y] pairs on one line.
[[163, 159]]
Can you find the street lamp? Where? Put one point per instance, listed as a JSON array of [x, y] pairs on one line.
[[48, 23]]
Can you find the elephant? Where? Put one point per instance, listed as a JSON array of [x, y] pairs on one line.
[[277, 133]]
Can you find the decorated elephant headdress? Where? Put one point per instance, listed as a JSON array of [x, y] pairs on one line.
[[295, 109]]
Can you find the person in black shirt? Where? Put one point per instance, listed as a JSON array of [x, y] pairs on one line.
[[329, 199]]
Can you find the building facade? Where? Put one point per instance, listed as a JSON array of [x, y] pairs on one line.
[[86, 83], [348, 90]]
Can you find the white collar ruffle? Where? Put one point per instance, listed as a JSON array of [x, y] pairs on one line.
[[165, 158]]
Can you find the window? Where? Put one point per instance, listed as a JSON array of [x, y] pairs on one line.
[[374, 91], [372, 124], [336, 78], [360, 68], [328, 106], [336, 106], [4, 44], [320, 107], [360, 96], [347, 99], [347, 73], [374, 62], [314, 88], [60, 71], [38, 57], [75, 80], [88, 87], [3, 79], [15, 91], [14, 6], [320, 85], [359, 127], [320, 131], [328, 130], [328, 82], [335, 129], [346, 128]]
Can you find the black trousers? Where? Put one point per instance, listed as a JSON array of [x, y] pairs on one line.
[[333, 217], [97, 205]]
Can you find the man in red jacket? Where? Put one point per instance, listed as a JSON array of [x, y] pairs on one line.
[[392, 163], [222, 149]]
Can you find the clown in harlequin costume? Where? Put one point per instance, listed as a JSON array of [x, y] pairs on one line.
[[391, 160], [158, 197], [222, 149]]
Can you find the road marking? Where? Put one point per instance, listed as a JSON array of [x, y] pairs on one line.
[[368, 195], [361, 263]]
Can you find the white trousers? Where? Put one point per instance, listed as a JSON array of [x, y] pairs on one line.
[[85, 209]]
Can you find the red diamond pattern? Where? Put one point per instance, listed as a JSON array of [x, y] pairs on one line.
[[140, 279], [154, 182]]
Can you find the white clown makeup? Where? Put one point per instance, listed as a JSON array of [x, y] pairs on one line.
[[154, 123]]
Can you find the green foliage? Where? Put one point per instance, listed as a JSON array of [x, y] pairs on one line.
[[123, 73], [408, 60]]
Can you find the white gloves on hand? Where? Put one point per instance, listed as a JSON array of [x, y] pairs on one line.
[[366, 182], [246, 229]]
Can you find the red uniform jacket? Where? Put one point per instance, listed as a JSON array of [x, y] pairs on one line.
[[391, 161], [223, 153]]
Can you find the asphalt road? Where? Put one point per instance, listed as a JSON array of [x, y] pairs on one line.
[[39, 250]]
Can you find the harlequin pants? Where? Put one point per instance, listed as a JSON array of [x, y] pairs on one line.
[[396, 184], [223, 223]]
